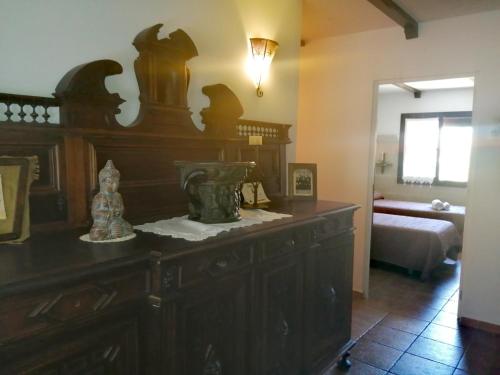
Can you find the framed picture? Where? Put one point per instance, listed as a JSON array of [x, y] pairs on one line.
[[302, 181], [13, 189]]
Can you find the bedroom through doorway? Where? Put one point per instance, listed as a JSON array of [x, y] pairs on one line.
[[423, 141]]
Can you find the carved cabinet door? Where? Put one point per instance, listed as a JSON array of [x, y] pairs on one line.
[[211, 325], [279, 317], [329, 298]]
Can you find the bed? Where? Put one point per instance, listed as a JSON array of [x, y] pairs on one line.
[[415, 243], [456, 214]]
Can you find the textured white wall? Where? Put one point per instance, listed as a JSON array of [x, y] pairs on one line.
[[41, 40], [390, 107], [336, 108]]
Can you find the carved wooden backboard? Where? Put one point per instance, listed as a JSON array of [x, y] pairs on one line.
[[75, 132]]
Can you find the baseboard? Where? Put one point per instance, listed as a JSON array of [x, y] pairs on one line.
[[356, 293], [478, 324]]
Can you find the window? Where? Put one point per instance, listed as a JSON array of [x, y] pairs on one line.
[[434, 148]]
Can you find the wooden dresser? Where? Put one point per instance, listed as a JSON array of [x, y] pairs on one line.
[[270, 299], [273, 298]]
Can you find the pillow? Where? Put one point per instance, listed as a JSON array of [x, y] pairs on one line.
[[377, 195]]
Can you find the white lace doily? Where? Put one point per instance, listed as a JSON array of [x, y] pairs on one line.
[[86, 238], [182, 227]]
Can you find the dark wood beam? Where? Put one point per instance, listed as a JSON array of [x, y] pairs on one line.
[[398, 15], [417, 94]]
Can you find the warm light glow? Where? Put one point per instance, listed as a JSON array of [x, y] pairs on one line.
[[255, 140], [455, 145], [420, 150], [442, 84], [261, 55]]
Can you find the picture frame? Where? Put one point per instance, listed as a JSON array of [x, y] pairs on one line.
[[14, 174], [302, 181]]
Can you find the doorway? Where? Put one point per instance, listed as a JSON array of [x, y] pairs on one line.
[[423, 135]]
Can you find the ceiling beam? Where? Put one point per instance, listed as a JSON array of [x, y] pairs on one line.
[[417, 94], [398, 15]]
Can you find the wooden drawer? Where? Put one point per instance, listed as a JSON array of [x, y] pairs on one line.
[[285, 242], [215, 263], [110, 348], [26, 314], [333, 225]]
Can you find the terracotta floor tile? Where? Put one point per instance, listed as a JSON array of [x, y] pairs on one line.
[[404, 323], [409, 364], [446, 319], [391, 337], [398, 307], [436, 351], [357, 368], [375, 354], [451, 306], [445, 334], [421, 312], [429, 302], [479, 361]]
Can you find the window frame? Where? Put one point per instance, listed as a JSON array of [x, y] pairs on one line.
[[440, 116]]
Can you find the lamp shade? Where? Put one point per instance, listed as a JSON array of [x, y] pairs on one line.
[[263, 51]]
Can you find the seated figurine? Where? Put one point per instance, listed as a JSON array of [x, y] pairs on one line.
[[107, 207]]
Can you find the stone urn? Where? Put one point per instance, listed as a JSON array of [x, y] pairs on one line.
[[213, 189]]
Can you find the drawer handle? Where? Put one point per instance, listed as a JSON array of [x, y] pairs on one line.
[[315, 234], [222, 263], [100, 301], [284, 328], [212, 365], [111, 353], [110, 298], [38, 309], [44, 307], [105, 300], [47, 308]]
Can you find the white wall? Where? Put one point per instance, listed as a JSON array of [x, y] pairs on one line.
[[336, 106], [41, 40], [390, 107]]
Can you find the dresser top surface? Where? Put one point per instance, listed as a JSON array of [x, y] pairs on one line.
[[45, 259]]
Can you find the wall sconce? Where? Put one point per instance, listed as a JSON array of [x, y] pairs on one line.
[[383, 163], [263, 51]]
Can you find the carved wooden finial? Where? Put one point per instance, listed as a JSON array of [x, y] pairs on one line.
[[85, 101], [221, 117], [163, 79]]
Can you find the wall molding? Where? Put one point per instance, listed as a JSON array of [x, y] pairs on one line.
[[481, 325]]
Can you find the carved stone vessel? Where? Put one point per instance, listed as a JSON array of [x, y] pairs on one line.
[[213, 189]]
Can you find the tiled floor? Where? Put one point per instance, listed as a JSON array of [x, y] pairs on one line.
[[409, 327]]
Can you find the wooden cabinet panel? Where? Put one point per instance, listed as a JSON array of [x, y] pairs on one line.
[[211, 326], [328, 306], [48, 198], [33, 313], [275, 300], [217, 263], [279, 308], [106, 350], [271, 164]]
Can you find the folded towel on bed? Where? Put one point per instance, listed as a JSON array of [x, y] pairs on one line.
[[438, 205]]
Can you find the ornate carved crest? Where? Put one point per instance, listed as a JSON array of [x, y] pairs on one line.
[[85, 101]]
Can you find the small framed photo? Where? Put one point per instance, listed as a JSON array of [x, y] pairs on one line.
[[302, 181], [13, 193]]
